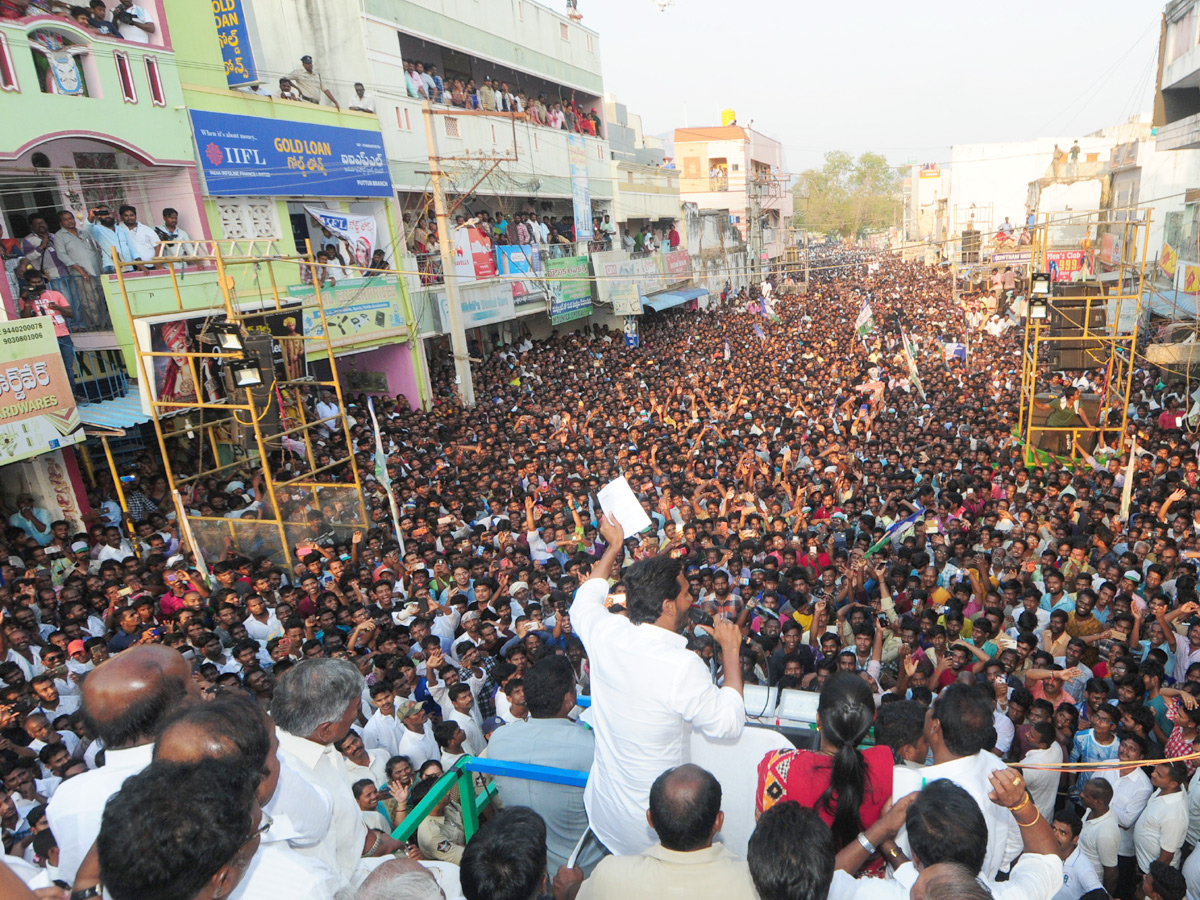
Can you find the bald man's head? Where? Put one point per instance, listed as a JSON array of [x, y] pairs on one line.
[[685, 808], [126, 699], [400, 878], [948, 881], [230, 727]]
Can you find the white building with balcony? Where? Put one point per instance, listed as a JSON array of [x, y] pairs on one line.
[[738, 169], [519, 44]]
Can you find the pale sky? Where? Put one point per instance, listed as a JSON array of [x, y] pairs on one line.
[[904, 79]]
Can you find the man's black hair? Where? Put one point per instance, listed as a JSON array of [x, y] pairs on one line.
[[965, 715], [420, 789], [1168, 882], [790, 854], [648, 583], [684, 804], [506, 859], [898, 725], [443, 733], [1070, 818], [172, 827], [547, 684], [946, 825]]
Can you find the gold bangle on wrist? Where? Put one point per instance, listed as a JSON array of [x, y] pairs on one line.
[[1034, 822], [1021, 805]]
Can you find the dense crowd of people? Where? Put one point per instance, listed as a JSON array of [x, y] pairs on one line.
[[1008, 667]]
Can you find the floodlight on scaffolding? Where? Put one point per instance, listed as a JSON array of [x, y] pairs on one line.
[[1040, 284], [229, 336], [247, 373], [1039, 308]]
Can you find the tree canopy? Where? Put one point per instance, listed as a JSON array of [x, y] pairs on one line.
[[847, 196]]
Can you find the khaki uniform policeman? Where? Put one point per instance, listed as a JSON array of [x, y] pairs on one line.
[[439, 837]]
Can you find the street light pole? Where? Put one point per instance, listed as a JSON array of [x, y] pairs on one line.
[[458, 335]]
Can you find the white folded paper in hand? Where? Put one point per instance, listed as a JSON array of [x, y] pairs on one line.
[[618, 500]]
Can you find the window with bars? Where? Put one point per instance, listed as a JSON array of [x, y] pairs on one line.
[[451, 126], [563, 31], [403, 122]]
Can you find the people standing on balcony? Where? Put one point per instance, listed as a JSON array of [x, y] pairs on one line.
[[98, 20], [310, 83], [472, 96], [458, 97], [673, 237], [439, 86], [13, 260], [325, 273], [38, 248], [289, 91], [170, 233], [39, 300], [428, 88], [379, 263], [524, 234], [102, 228], [505, 99], [538, 110], [412, 82], [487, 95], [132, 22], [609, 230], [142, 238], [80, 252], [362, 102]]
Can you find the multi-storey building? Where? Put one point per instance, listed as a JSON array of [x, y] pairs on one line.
[[738, 169]]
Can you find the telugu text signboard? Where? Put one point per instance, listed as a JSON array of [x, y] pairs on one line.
[[37, 411], [234, 35], [249, 156], [570, 289]]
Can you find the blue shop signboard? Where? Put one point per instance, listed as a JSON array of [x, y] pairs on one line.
[[246, 156], [234, 35]]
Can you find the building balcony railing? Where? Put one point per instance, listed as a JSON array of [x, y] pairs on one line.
[[1182, 134], [88, 305], [100, 374]]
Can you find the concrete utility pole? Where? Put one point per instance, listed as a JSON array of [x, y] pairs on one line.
[[458, 335], [755, 229], [806, 260]]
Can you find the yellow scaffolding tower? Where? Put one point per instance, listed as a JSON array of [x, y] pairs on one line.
[[230, 437], [1110, 248]]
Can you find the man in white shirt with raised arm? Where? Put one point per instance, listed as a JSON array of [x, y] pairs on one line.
[[646, 687]]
